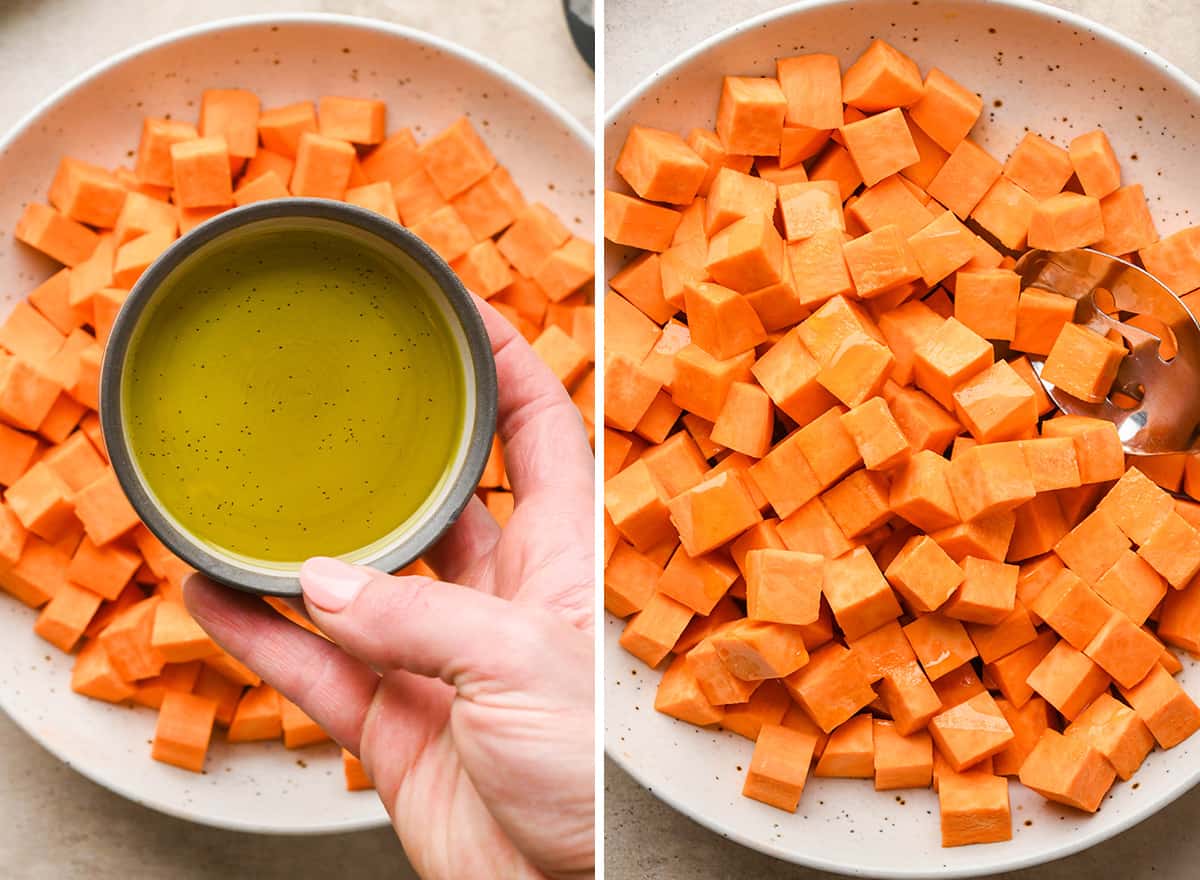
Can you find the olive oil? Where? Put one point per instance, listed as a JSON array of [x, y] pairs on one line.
[[293, 392]]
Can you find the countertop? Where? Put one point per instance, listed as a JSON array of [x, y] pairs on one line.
[[644, 838], [54, 823]]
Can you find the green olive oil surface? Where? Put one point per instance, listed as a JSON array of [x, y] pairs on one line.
[[292, 393]]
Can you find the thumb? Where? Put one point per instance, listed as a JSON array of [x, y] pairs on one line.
[[472, 640]]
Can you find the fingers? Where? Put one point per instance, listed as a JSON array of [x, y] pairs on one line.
[[545, 444], [475, 641], [465, 543], [327, 683]]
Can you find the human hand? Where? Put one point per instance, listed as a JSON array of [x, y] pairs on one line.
[[469, 701]]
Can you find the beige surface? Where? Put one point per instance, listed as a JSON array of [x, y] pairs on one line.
[[644, 838], [54, 824]]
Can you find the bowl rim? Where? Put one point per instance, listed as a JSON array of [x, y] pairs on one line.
[[392, 551], [30, 119], [613, 117]]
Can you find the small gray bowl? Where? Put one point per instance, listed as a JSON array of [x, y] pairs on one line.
[[408, 540]]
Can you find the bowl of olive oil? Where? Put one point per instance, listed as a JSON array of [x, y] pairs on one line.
[[298, 378]]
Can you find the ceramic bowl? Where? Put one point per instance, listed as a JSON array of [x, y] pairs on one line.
[[427, 83], [1035, 66]]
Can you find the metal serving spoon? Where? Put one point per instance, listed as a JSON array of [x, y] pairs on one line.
[[1161, 398]]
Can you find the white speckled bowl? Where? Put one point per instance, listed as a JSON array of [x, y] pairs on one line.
[[1035, 66], [427, 83]]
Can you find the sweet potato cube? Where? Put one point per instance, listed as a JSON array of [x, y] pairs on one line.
[[200, 173], [750, 115], [638, 506], [880, 145], [754, 649], [857, 369], [746, 255], [1124, 650], [679, 696], [812, 85], [1165, 707], [1115, 730], [721, 322], [1065, 221], [702, 382], [996, 404], [178, 637], [788, 373], [154, 150], [650, 634], [986, 301], [1173, 550], [1071, 608], [456, 158], [1039, 167], [987, 594], [56, 235], [698, 582], [990, 478], [850, 750], [357, 120], [940, 644], [1006, 211], [779, 766], [87, 193], [941, 247], [785, 477], [103, 570], [1097, 446], [735, 195], [660, 167], [807, 208], [1068, 679], [42, 501], [1095, 163], [819, 268], [832, 686], [881, 78], [231, 114], [971, 731], [946, 110], [879, 439], [323, 166], [1053, 463], [1041, 315], [784, 586], [920, 492], [880, 261], [1137, 505], [66, 616], [746, 420], [948, 358], [712, 513], [974, 808], [184, 728], [1068, 770], [258, 716], [964, 178], [1128, 224], [1132, 586], [1083, 363], [858, 594], [901, 761], [630, 579], [923, 574], [630, 221]]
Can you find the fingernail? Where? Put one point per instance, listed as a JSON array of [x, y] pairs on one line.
[[331, 584]]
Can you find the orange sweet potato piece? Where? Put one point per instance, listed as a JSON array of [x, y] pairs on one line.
[[750, 115], [883, 77], [1069, 770]]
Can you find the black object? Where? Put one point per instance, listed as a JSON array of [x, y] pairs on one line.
[[583, 31]]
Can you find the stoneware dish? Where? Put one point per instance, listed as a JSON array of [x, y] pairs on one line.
[[427, 83], [1035, 66], [410, 539]]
